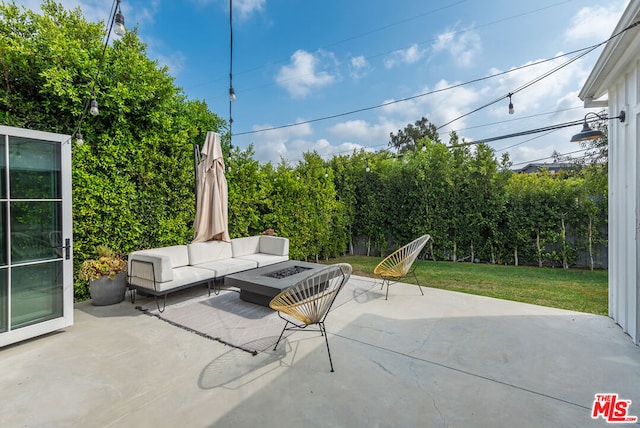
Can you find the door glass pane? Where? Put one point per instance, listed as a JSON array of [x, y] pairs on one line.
[[35, 226], [3, 233], [36, 293], [3, 168], [34, 169], [3, 299]]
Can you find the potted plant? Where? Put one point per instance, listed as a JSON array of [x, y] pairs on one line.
[[106, 276]]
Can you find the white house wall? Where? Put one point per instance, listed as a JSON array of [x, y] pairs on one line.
[[624, 203]]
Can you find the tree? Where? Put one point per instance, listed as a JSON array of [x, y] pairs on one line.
[[133, 179], [409, 138]]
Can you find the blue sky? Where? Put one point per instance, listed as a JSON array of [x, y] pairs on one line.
[[303, 60]]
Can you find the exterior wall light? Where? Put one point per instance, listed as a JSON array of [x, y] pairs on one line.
[[592, 134]]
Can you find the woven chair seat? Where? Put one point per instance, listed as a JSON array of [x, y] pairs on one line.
[[398, 264], [310, 300]]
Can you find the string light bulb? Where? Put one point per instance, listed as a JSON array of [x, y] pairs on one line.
[[232, 94], [119, 27], [94, 108], [511, 109], [79, 140]]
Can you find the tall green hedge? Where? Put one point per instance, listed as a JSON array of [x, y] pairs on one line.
[[133, 178]]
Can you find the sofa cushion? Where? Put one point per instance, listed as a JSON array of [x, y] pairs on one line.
[[162, 268], [182, 276], [229, 266], [204, 252], [244, 246], [263, 259], [274, 245], [178, 254]]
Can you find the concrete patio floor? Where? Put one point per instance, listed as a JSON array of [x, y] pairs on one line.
[[444, 359]]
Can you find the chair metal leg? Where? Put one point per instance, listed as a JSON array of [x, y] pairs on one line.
[[417, 282], [282, 333], [326, 339]]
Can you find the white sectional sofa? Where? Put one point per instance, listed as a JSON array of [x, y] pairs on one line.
[[159, 271]]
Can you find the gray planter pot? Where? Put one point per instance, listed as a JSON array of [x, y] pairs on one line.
[[105, 291]]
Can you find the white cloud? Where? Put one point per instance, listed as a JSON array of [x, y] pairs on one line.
[[323, 147], [365, 133], [358, 67], [410, 55], [543, 93], [270, 146], [247, 7], [594, 24], [140, 15], [463, 46], [242, 9], [290, 143], [98, 10], [92, 10], [304, 73], [439, 107], [175, 62]]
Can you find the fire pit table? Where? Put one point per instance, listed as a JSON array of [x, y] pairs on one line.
[[262, 284]]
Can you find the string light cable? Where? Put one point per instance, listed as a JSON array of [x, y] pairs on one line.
[[413, 97], [583, 52], [89, 101]]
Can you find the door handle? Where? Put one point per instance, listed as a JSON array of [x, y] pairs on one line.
[[66, 247]]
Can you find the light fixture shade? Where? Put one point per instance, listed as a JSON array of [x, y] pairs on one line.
[[94, 108], [119, 27], [587, 134], [590, 134]]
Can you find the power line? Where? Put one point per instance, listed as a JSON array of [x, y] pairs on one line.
[[525, 141], [519, 118], [560, 126], [531, 131], [526, 85], [548, 157], [385, 104], [584, 51]]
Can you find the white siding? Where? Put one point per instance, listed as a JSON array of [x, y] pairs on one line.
[[624, 203]]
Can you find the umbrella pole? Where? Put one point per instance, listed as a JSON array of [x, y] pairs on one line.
[[196, 161]]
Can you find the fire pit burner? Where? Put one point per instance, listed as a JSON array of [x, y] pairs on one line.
[[262, 284], [283, 273]]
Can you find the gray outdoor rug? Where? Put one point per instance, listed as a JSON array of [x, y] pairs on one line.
[[234, 322]]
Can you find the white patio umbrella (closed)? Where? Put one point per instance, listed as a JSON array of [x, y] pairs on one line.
[[211, 222]]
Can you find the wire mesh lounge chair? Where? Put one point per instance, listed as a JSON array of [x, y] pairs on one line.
[[308, 302], [398, 264]]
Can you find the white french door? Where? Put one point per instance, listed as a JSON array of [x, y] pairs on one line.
[[36, 267]]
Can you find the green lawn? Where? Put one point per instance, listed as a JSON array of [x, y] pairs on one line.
[[573, 289]]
